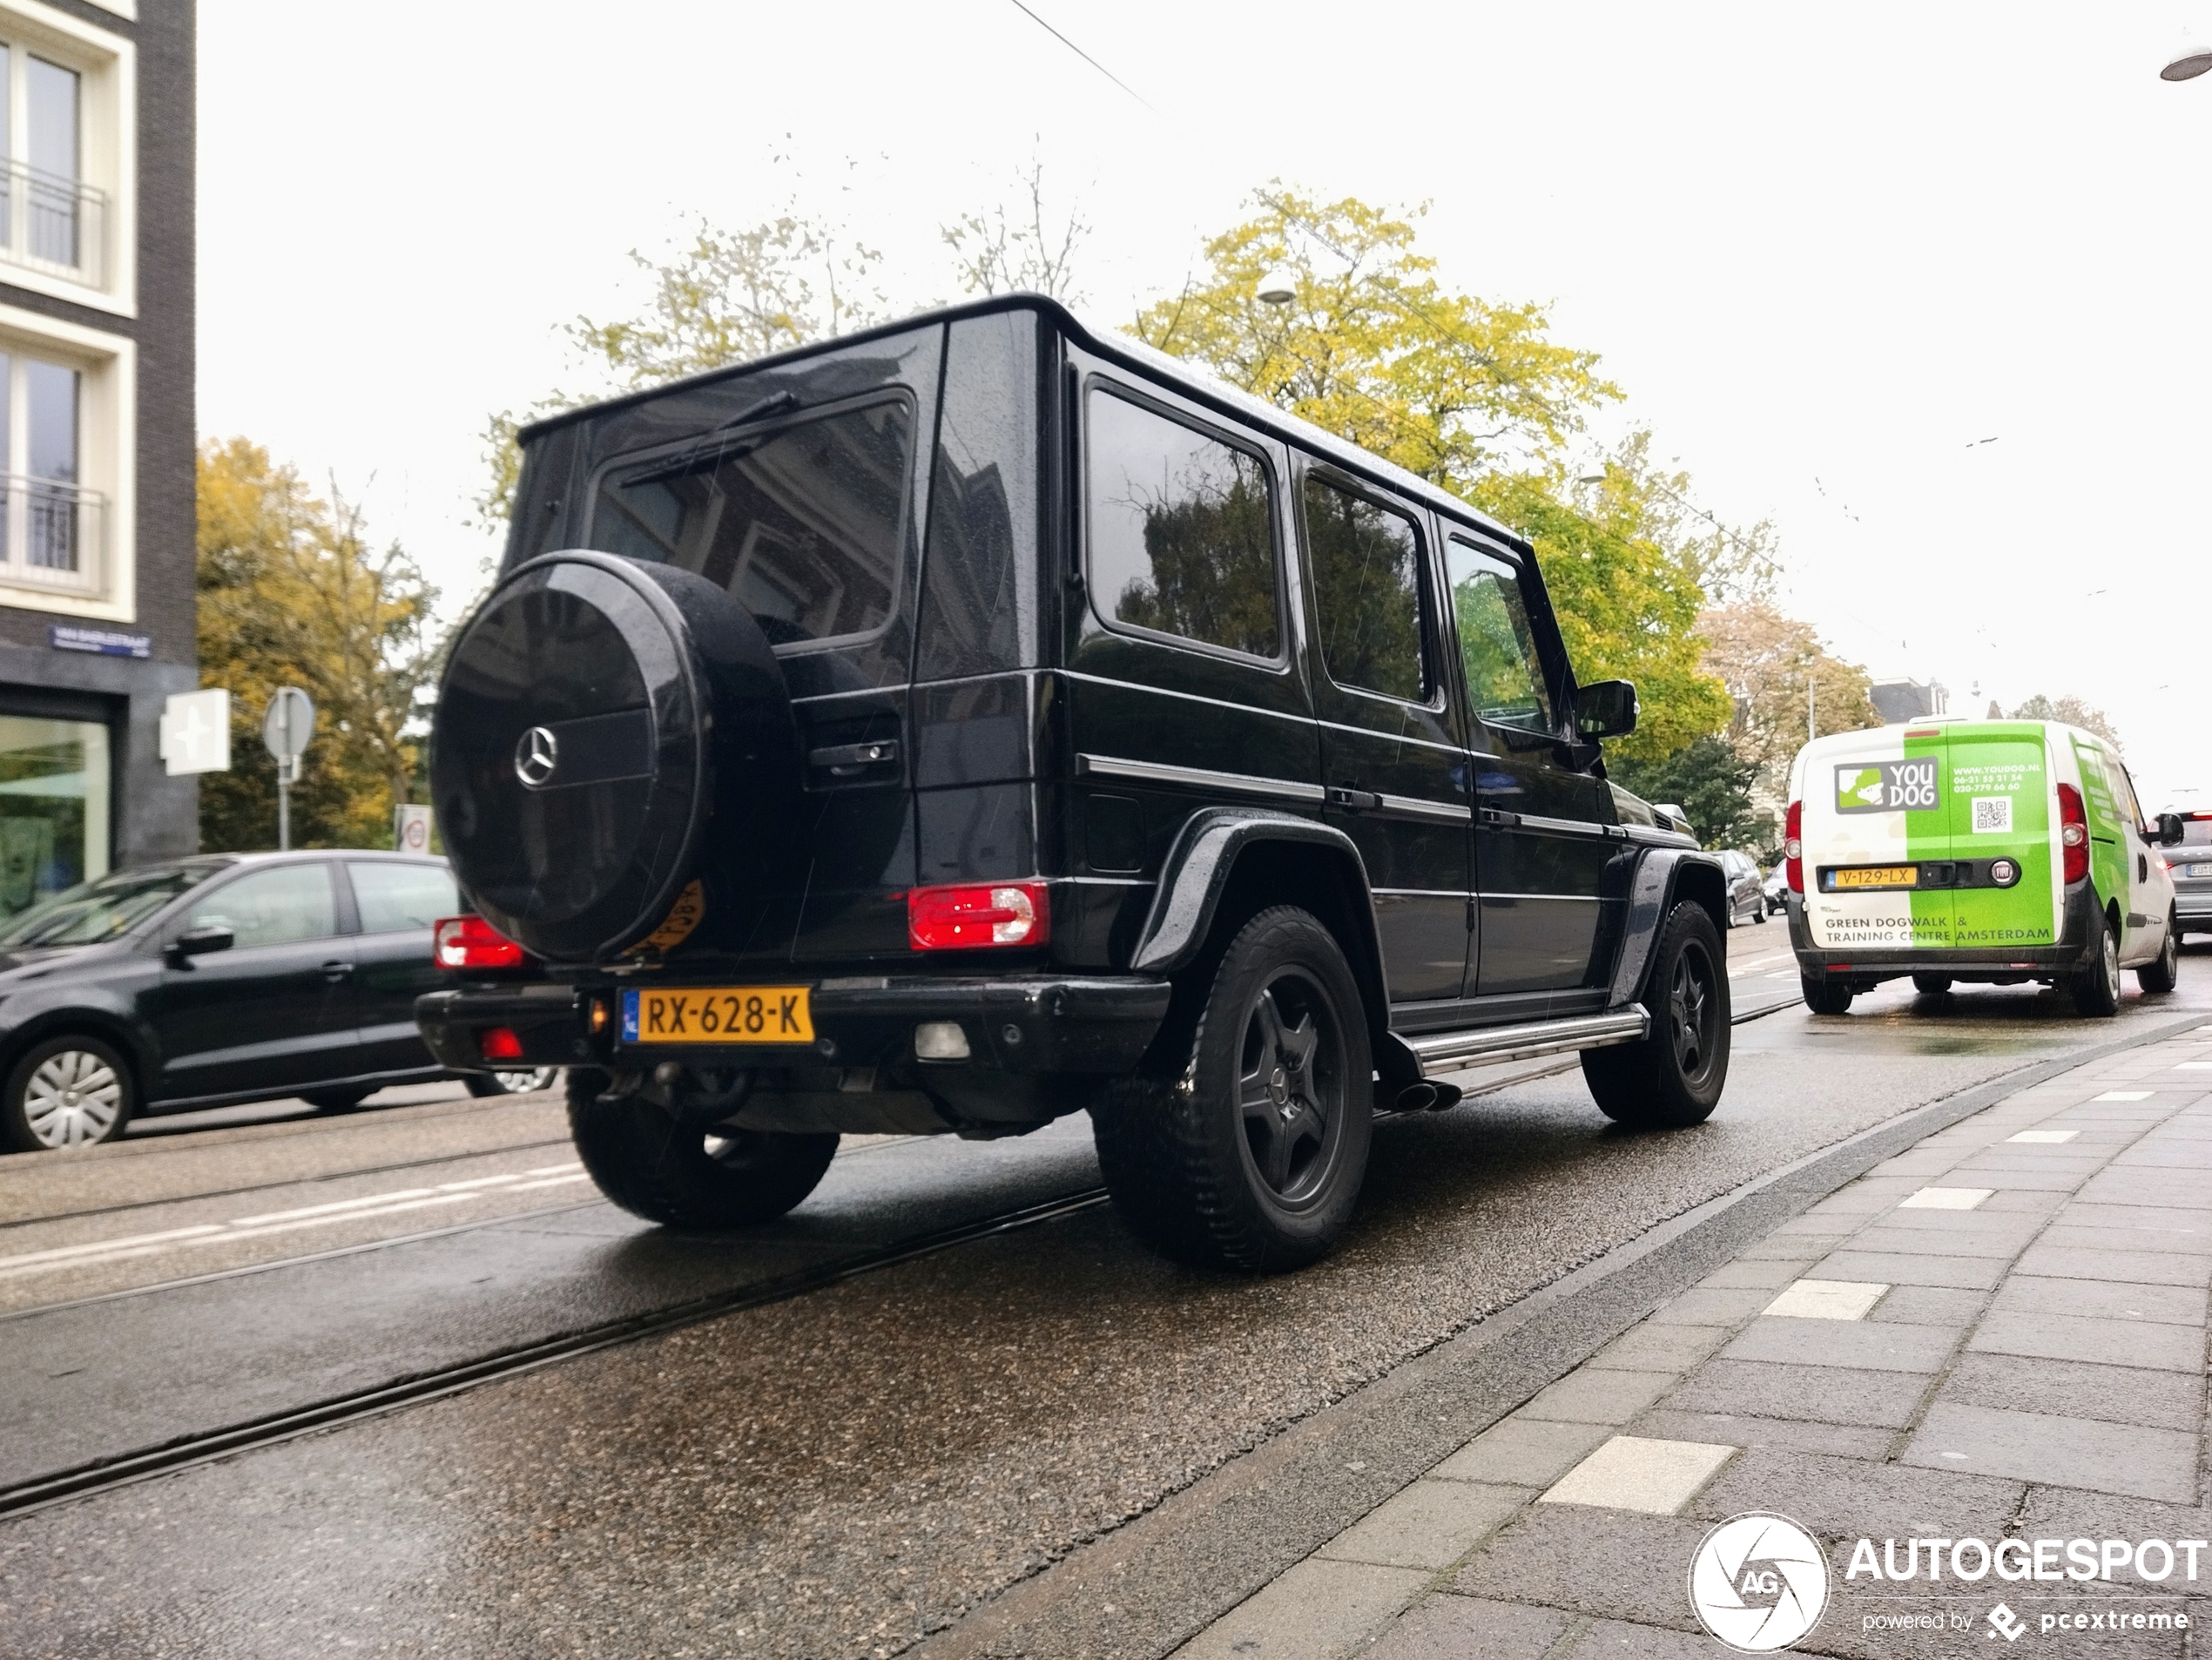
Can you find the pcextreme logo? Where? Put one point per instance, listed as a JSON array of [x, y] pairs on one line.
[[1758, 1582]]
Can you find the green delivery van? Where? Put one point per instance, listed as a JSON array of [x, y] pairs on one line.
[[1998, 851]]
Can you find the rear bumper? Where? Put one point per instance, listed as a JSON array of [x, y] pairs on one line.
[[1966, 964], [1015, 1023]]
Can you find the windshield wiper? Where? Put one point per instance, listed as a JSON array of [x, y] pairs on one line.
[[711, 451]]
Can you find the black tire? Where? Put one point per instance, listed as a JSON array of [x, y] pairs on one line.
[[344, 1100], [488, 1086], [1760, 915], [1250, 1154], [1672, 1078], [2096, 985], [2161, 976], [69, 1091], [1935, 984], [1826, 996], [685, 1176]]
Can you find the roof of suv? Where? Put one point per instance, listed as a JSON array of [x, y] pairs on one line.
[[1107, 342]]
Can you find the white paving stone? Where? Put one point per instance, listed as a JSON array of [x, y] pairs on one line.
[[2125, 1095], [1826, 1299], [1632, 1473], [2044, 1137], [1945, 1198]]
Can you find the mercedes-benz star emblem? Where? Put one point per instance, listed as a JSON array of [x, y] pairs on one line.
[[536, 753]]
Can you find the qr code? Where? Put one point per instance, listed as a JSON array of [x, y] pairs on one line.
[[1993, 814]]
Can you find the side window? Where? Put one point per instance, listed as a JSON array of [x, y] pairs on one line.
[[394, 896], [273, 906], [1368, 592], [1180, 529], [1505, 677], [2129, 801]]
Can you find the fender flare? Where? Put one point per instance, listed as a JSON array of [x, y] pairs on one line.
[[1654, 890], [1196, 874]]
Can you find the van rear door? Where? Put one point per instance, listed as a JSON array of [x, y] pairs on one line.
[[1999, 800], [1873, 823]]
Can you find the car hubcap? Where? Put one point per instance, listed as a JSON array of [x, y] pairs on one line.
[[73, 1098], [1290, 1087], [1692, 1005], [2112, 966]]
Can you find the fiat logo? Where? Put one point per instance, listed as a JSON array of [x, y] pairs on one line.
[[536, 753]]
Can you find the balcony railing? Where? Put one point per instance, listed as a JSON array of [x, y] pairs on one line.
[[52, 536], [52, 224]]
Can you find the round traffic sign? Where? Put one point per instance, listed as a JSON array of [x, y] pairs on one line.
[[289, 724]]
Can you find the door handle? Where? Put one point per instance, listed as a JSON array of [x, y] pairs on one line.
[[334, 971], [1354, 800], [1497, 816]]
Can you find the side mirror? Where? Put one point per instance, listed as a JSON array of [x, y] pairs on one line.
[[1606, 709], [2171, 830], [197, 942]]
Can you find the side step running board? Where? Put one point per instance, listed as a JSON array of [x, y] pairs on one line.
[[1442, 1052]]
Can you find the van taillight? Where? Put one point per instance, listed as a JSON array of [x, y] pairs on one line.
[[1793, 846], [471, 943], [941, 919], [2073, 834]]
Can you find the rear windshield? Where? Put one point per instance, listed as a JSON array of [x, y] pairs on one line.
[[802, 524]]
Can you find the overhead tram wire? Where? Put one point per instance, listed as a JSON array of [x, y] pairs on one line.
[[1085, 56]]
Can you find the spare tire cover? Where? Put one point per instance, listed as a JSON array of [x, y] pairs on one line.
[[597, 713]]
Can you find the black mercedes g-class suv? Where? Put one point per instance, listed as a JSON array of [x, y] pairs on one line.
[[983, 718]]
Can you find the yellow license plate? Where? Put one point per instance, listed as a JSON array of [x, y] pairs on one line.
[[718, 1014], [1880, 876]]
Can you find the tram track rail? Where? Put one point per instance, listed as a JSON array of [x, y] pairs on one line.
[[105, 1475]]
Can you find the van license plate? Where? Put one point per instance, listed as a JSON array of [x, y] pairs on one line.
[[718, 1014], [2194, 873], [1878, 876]]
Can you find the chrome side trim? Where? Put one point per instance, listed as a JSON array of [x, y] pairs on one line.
[[1652, 836], [1578, 899], [1280, 789], [1442, 1052], [1413, 807], [1561, 827]]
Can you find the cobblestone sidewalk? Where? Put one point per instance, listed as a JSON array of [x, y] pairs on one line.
[[1998, 1334]]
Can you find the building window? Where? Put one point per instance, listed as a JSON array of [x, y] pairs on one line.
[[51, 219], [54, 807], [51, 529]]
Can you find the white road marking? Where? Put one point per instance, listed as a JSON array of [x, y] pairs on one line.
[[1945, 1198], [312, 1216], [1826, 1299]]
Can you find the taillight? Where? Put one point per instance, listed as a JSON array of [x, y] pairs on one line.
[[2073, 834], [1793, 846], [943, 919], [471, 943]]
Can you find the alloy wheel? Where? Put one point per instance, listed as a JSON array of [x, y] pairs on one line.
[[2111, 966], [1291, 1086], [72, 1099], [1691, 1002]]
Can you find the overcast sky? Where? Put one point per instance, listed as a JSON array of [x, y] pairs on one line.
[[1827, 252]]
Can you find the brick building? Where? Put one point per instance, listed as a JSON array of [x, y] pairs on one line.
[[96, 434]]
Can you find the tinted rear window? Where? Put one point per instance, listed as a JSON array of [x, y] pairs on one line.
[[1182, 535], [1366, 569], [801, 525]]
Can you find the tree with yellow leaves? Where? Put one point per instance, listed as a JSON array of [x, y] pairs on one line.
[[290, 592]]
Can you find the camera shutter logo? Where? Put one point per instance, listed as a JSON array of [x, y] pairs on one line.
[[1758, 1582], [536, 753]]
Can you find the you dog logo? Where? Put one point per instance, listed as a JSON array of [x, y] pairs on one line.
[[1758, 1582]]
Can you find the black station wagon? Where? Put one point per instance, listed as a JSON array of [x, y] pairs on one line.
[[983, 718]]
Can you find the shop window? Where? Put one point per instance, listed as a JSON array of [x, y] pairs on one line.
[[55, 785]]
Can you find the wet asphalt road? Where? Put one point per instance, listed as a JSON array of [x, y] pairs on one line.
[[839, 1473]]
